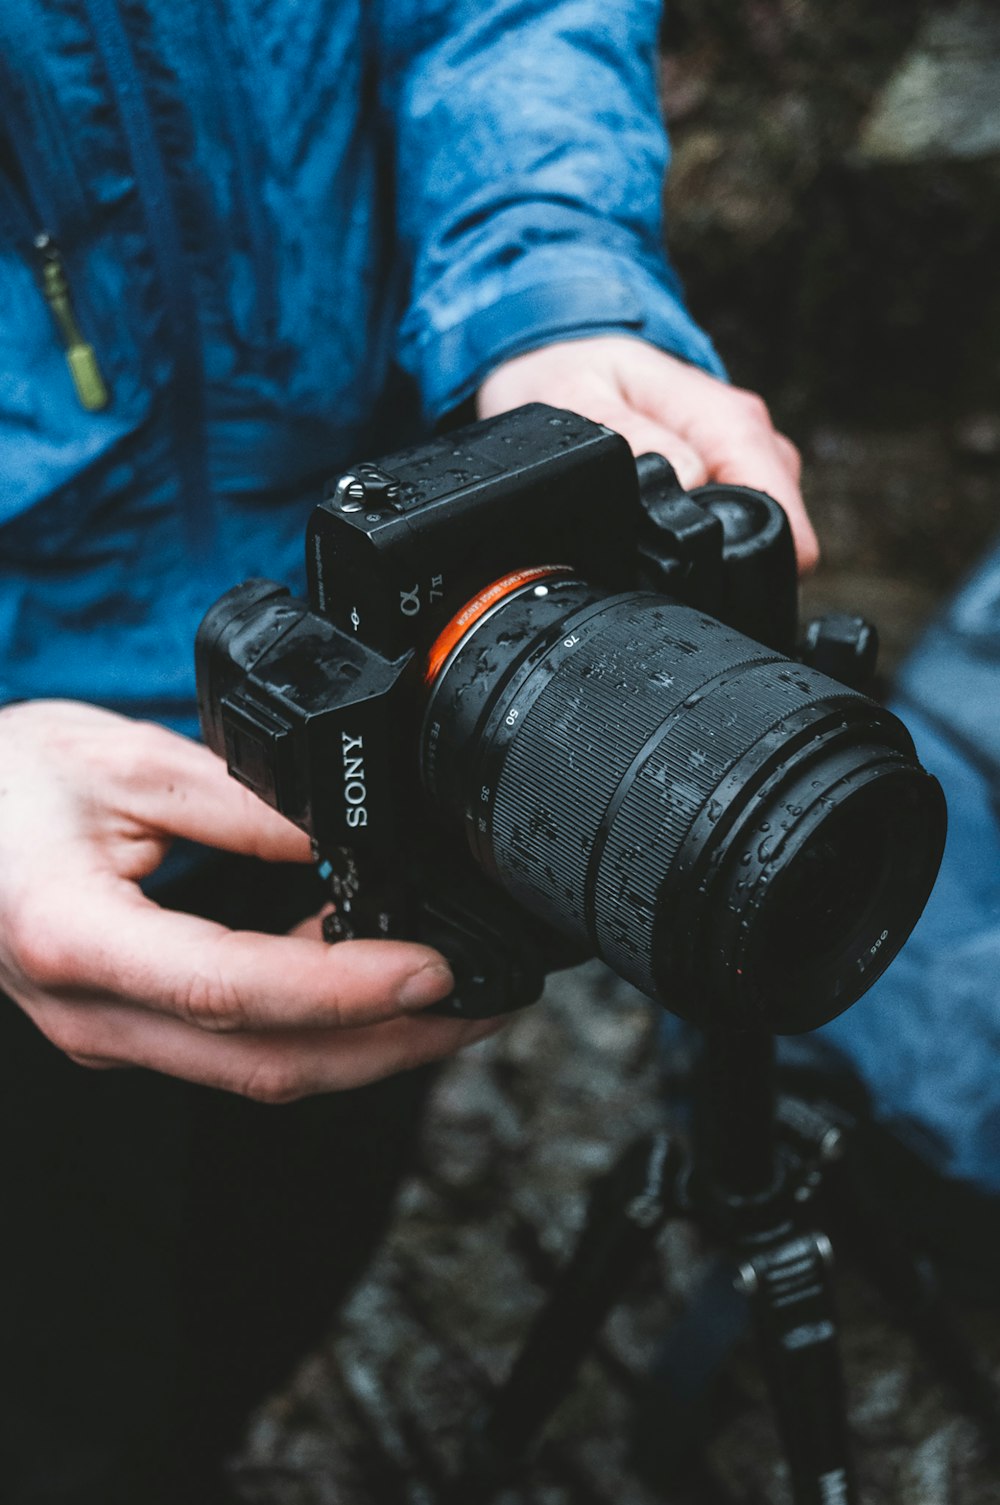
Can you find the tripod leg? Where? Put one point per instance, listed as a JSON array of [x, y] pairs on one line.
[[627, 1211], [790, 1284]]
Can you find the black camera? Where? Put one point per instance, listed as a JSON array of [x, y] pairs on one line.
[[543, 704]]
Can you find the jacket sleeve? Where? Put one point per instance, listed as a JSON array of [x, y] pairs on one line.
[[530, 158]]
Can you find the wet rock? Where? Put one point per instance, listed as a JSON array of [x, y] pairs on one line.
[[943, 101], [840, 284], [379, 1415], [930, 1470], [978, 435]]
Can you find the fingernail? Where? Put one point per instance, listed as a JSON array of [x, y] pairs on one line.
[[429, 985]]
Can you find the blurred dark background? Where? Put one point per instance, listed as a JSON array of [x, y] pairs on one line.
[[834, 207]]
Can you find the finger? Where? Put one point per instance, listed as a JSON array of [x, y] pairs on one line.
[[766, 465], [311, 928], [646, 436], [650, 438], [183, 788], [116, 944], [272, 1068], [740, 446], [730, 430]]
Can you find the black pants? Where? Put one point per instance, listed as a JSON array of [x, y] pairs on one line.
[[168, 1252]]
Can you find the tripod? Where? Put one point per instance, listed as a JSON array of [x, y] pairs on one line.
[[748, 1182]]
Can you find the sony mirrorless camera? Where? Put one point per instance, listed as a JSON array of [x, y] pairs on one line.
[[543, 704]]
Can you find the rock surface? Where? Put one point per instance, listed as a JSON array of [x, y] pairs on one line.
[[518, 1131], [943, 101], [845, 280]]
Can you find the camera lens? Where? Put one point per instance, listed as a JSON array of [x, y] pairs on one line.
[[738, 835]]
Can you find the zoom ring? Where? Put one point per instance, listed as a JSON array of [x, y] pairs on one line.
[[616, 757]]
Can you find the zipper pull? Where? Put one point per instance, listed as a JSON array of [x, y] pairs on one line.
[[80, 357]]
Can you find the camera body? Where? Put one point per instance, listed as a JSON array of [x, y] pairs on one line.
[[321, 707]]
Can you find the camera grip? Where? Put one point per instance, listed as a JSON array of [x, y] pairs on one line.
[[497, 966]]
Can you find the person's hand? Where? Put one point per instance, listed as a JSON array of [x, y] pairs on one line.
[[89, 802], [707, 430]]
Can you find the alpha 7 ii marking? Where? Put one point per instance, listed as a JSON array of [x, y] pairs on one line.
[[410, 603]]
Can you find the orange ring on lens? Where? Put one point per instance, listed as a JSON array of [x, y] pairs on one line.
[[471, 612]]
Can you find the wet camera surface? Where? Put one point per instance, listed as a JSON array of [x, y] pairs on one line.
[[543, 704]]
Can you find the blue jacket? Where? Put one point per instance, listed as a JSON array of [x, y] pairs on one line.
[[291, 232]]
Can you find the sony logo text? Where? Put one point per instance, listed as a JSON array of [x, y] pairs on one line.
[[353, 754]]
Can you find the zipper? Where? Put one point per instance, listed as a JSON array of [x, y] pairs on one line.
[[50, 270], [180, 319], [232, 54], [80, 358]]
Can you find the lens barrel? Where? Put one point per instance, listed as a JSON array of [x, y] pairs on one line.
[[740, 836]]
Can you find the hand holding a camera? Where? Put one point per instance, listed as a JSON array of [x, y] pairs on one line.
[[707, 430], [89, 803]]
